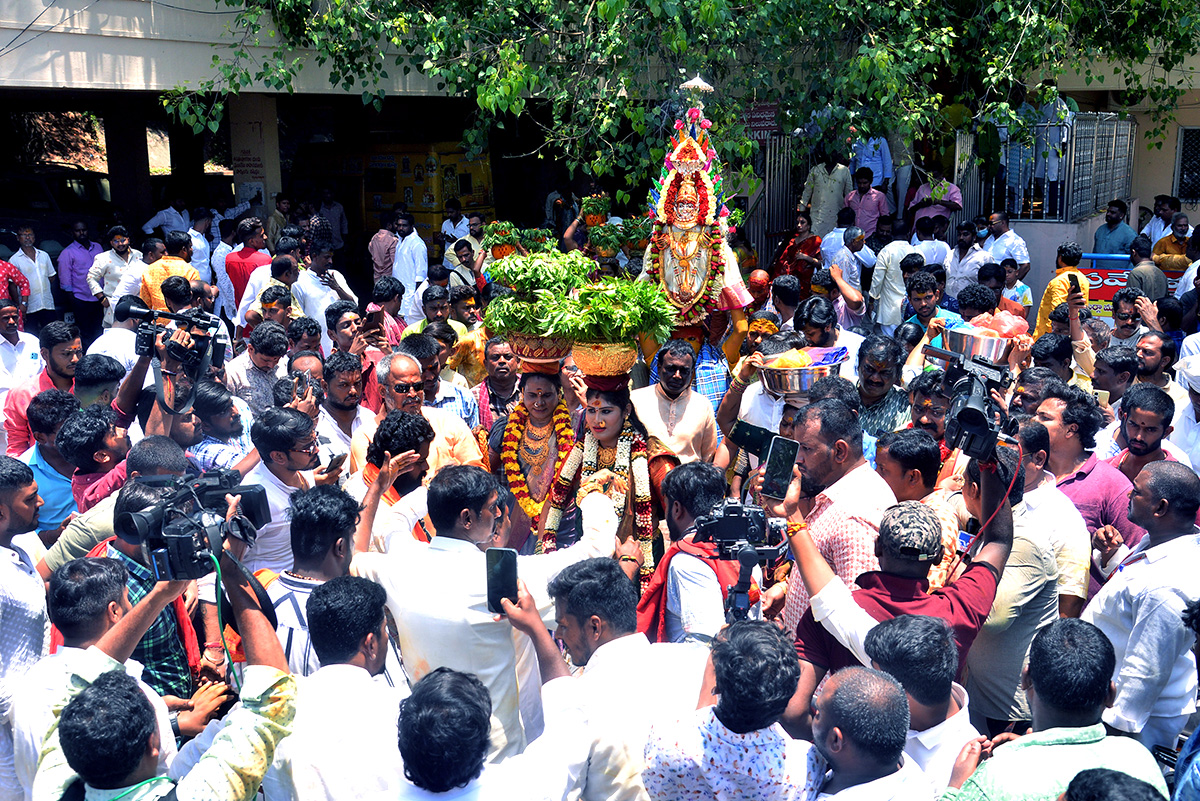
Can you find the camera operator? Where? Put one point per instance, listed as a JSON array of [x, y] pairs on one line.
[[106, 733], [685, 599]]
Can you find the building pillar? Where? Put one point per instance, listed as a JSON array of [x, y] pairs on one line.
[[187, 163], [254, 143], [129, 167]]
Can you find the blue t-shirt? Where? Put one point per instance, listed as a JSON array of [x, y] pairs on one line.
[[54, 489]]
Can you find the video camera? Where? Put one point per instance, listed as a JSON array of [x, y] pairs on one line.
[[192, 358], [974, 422], [181, 533], [744, 534]]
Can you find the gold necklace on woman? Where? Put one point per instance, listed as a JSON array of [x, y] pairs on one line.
[[535, 445]]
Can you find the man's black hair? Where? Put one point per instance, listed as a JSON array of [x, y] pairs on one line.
[[335, 311], [281, 266], [1052, 346], [1142, 247], [438, 272], [880, 348], [341, 613], [320, 516], [398, 433], [677, 348], [177, 290], [837, 422], [1166, 345], [386, 288], [211, 399], [57, 333], [79, 594], [115, 231], [302, 327], [1007, 463], [787, 289], [920, 283], [445, 730], [1176, 484], [435, 294], [156, 454], [1126, 294], [443, 332], [929, 383], [1080, 409], [104, 730], [1070, 253], [816, 312], [14, 475], [991, 271], [1071, 665], [276, 294], [277, 429], [269, 339], [176, 241], [699, 487], [871, 710], [83, 433], [1105, 784], [775, 344], [284, 246], [246, 228], [845, 217], [455, 488], [1148, 398], [757, 671], [341, 362], [912, 263], [920, 652], [597, 587], [49, 408], [283, 391], [908, 333], [421, 347], [838, 388], [977, 297], [1034, 437], [914, 449], [460, 293]]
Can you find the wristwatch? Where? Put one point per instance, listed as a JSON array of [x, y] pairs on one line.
[[174, 717]]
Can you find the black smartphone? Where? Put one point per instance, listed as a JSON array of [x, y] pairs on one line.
[[1074, 281], [501, 577], [777, 474], [751, 438], [335, 463]]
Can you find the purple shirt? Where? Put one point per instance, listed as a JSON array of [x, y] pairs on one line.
[[1101, 494], [946, 191], [73, 265]]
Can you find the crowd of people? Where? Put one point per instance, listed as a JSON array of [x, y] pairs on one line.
[[1020, 626]]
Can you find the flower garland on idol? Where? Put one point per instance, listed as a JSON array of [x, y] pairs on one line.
[[514, 431], [633, 456]]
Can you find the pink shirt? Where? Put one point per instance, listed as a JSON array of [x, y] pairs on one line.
[[16, 424], [868, 209], [953, 194]]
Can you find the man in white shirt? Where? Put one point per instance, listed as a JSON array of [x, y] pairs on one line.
[[965, 259], [454, 228], [887, 291], [1003, 243], [173, 218], [20, 353], [221, 248], [130, 282], [341, 415], [443, 623], [854, 256], [343, 740], [833, 241], [319, 286], [595, 613], [108, 268], [1165, 207], [412, 256], [201, 222], [1139, 608], [287, 442], [934, 250], [1186, 435], [37, 268]]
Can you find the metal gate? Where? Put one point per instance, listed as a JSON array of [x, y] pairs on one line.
[[775, 208]]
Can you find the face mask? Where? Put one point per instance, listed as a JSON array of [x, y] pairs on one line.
[[981, 233]]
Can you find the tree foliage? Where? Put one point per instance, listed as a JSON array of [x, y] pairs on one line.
[[599, 76]]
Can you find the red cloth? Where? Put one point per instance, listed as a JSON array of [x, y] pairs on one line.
[[16, 424], [239, 265], [964, 605], [9, 272], [187, 632], [95, 487], [652, 608]]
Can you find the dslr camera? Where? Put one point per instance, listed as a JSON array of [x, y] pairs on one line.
[[744, 534], [974, 422], [181, 533]]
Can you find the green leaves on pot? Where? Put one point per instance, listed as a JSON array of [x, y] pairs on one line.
[[607, 237], [542, 316], [549, 270], [617, 311]]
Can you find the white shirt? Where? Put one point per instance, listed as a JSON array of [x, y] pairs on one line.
[[233, 212], [35, 693], [935, 749], [887, 285], [1051, 510], [935, 251], [105, 276], [447, 622], [1156, 229], [411, 263], [117, 343], [1139, 610], [964, 270], [226, 295], [130, 282], [18, 362], [1187, 280], [1191, 343], [851, 342], [832, 242], [170, 220], [314, 297], [694, 601], [397, 520], [343, 740], [333, 440], [1186, 435], [452, 234], [37, 271], [200, 255], [273, 548], [907, 784], [1008, 246], [257, 281], [609, 765]]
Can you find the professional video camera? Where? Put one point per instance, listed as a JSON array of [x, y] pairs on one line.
[[181, 533], [195, 361], [746, 535], [974, 422]]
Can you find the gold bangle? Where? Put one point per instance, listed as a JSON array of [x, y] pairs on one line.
[[627, 558]]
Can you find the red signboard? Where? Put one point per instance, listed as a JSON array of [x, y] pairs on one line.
[[1104, 282], [763, 120]]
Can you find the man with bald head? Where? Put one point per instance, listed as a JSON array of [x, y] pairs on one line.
[[402, 387], [1140, 608]]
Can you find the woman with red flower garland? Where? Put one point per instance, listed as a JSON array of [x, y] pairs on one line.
[[526, 449], [614, 440]]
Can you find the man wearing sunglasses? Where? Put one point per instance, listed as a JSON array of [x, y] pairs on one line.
[[1127, 321]]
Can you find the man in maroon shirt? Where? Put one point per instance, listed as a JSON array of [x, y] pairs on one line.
[[240, 263], [909, 543]]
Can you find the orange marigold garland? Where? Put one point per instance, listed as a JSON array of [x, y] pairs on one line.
[[510, 446]]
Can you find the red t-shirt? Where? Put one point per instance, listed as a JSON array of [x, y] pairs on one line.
[[239, 265], [964, 604]]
